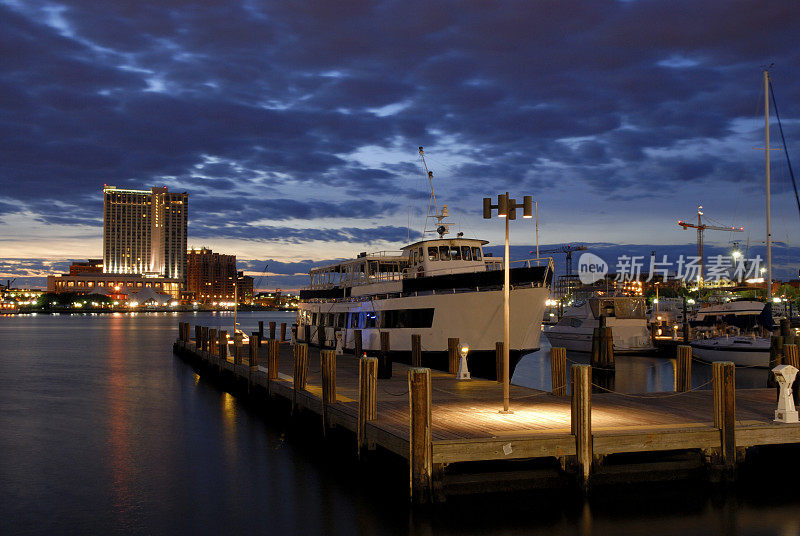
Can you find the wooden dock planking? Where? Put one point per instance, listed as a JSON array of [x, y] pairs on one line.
[[466, 426]]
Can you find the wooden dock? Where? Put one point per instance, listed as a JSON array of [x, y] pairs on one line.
[[442, 425]]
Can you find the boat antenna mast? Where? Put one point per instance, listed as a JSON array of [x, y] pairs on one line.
[[442, 227]]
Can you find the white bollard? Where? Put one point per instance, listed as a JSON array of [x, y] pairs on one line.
[[786, 412], [463, 371], [339, 343]]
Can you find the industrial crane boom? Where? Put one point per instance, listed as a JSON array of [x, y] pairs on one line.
[[701, 227]]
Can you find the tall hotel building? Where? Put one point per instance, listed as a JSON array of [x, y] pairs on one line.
[[144, 232]]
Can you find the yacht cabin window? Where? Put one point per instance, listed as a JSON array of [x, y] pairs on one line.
[[416, 256], [466, 253], [444, 253], [433, 254], [476, 253], [455, 253]]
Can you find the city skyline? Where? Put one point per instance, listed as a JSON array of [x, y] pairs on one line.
[[295, 129]]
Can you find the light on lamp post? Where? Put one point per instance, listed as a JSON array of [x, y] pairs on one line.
[[507, 209]]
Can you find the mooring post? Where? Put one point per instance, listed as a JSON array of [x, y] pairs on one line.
[[416, 350], [498, 360], [300, 371], [582, 420], [273, 347], [260, 329], [272, 330], [683, 371], [786, 329], [596, 346], [307, 334], [367, 398], [253, 358], [201, 341], [328, 358], [283, 331], [223, 346], [775, 358], [384, 360], [212, 342], [608, 357], [452, 354], [558, 371], [725, 410], [358, 347], [237, 348], [198, 334], [420, 455], [180, 331]]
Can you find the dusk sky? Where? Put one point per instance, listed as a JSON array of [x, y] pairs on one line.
[[294, 126]]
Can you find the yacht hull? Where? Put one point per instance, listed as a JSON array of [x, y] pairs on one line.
[[742, 352], [474, 317]]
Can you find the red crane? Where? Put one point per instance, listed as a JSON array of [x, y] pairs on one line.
[[700, 226]]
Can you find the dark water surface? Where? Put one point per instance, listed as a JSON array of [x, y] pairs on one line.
[[104, 431]]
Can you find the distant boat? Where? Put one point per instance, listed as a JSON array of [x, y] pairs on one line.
[[740, 316], [626, 315]]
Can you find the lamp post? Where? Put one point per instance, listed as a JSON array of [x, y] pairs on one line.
[[507, 209]]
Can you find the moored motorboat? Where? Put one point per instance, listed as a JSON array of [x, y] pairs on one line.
[[624, 314]]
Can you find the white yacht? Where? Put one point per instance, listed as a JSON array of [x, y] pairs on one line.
[[732, 319], [624, 314], [436, 288]]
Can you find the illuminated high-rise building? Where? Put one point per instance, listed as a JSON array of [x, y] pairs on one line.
[[144, 232]]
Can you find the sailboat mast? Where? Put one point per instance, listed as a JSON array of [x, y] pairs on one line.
[[766, 164]]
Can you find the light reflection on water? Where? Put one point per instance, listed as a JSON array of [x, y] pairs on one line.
[[103, 430]]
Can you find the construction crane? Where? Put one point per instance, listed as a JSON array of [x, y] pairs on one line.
[[568, 249], [261, 277], [701, 227]]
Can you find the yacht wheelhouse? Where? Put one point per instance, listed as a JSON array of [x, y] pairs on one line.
[[438, 289]]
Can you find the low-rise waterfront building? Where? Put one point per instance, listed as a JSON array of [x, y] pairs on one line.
[[113, 284]]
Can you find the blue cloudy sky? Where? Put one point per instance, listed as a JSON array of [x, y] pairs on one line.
[[294, 126]]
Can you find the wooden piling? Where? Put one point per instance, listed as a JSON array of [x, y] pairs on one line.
[[300, 372], [253, 358], [790, 355], [198, 336], [272, 330], [358, 349], [498, 360], [237, 348], [384, 359], [273, 349], [306, 334], [725, 409], [204, 339], [212, 342], [687, 331], [581, 412], [775, 358], [416, 350], [260, 329], [223, 345], [367, 397], [328, 359], [786, 329], [683, 370], [420, 451], [452, 355], [558, 371], [283, 331]]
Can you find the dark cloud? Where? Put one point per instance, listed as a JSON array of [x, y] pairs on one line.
[[253, 108]]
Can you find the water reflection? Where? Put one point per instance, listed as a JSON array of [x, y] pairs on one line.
[[633, 373], [103, 430]]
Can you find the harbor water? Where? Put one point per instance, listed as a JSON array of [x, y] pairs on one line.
[[104, 431]]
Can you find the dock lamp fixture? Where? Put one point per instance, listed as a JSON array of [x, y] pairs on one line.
[[507, 209], [463, 370]]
